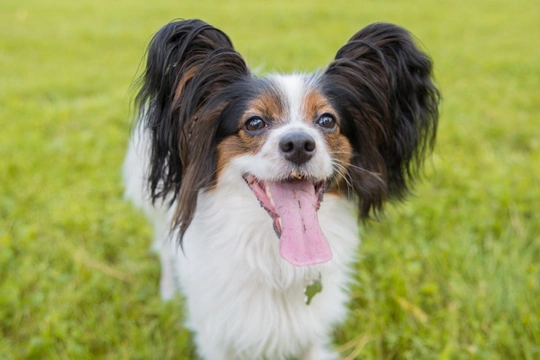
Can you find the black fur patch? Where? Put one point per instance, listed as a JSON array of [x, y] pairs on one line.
[[381, 84]]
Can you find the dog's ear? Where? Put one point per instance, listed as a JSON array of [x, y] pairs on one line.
[[189, 63], [383, 85]]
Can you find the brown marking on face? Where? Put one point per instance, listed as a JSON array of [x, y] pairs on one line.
[[315, 104], [339, 147], [341, 153], [268, 106]]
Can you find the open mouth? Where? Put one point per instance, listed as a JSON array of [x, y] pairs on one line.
[[292, 204]]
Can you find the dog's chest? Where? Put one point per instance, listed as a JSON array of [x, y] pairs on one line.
[[240, 309], [242, 293]]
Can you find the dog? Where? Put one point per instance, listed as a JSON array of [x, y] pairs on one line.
[[255, 185]]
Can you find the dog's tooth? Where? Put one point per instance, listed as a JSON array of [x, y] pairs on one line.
[[269, 195]]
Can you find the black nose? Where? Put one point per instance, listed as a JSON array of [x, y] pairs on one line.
[[297, 147]]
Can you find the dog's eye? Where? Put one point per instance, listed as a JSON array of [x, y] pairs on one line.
[[326, 121], [254, 124]]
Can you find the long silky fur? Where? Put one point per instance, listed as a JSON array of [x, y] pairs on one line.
[[189, 64], [381, 82], [195, 92]]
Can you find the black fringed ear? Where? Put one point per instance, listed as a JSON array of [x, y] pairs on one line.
[[381, 82], [189, 63]]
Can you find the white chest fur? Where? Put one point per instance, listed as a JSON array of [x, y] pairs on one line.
[[243, 299]]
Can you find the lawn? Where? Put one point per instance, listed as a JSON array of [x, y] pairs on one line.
[[453, 273]]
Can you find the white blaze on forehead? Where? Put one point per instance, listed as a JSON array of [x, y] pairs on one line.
[[294, 88]]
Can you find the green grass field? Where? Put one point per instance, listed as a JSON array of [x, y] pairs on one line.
[[454, 273]]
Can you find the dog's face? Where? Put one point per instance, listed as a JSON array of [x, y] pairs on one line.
[[285, 141], [287, 130], [359, 128]]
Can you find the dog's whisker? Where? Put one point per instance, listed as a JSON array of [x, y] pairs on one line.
[[342, 171], [375, 175]]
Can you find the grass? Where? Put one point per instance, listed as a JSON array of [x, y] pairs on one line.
[[454, 273]]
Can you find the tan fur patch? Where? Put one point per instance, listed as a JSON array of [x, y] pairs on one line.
[[237, 145], [271, 109], [315, 105], [269, 106], [187, 76]]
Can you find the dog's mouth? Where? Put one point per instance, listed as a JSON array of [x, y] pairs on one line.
[[292, 203]]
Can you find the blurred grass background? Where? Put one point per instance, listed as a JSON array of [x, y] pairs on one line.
[[454, 273]]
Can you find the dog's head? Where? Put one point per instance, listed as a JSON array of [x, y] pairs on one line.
[[359, 128]]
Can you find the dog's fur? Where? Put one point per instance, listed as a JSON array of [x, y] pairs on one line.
[[216, 148]]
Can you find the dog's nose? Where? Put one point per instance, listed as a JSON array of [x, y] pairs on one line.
[[297, 147]]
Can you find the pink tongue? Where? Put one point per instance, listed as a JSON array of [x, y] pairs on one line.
[[302, 241]]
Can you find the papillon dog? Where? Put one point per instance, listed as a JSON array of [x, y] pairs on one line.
[[256, 185]]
